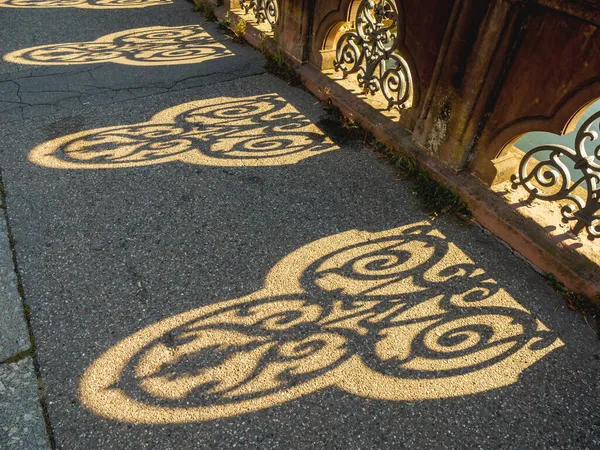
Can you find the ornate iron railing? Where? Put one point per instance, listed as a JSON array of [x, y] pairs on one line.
[[571, 176], [372, 51], [264, 10]]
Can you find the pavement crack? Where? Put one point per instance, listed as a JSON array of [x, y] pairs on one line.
[[18, 93], [193, 77], [87, 99], [19, 356], [31, 75], [91, 73], [51, 91], [32, 351]]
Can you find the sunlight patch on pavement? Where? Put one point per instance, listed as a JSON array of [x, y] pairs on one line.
[[262, 130], [398, 315], [152, 46]]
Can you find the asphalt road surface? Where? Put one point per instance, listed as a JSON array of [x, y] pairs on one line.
[[206, 267]]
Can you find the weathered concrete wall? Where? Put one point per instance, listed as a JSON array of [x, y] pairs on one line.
[[292, 32]]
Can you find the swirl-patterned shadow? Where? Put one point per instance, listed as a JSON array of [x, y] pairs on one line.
[[86, 4], [399, 315], [151, 46], [263, 130]]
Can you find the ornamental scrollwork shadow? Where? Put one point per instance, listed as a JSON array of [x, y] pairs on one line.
[[373, 51], [152, 46], [569, 176], [265, 11], [85, 4], [262, 130], [389, 315]]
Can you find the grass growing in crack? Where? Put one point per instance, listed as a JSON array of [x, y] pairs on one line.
[[2, 196], [276, 65], [30, 352], [436, 199], [578, 303], [19, 357], [27, 312], [206, 10], [239, 29], [225, 24]]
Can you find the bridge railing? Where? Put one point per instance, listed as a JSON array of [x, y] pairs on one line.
[[459, 83]]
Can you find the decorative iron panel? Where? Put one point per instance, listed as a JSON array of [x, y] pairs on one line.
[[372, 51], [571, 176], [263, 10]]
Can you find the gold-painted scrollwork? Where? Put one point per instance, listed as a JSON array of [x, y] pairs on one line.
[[264, 10], [388, 315], [153, 46], [263, 130], [372, 51], [569, 176]]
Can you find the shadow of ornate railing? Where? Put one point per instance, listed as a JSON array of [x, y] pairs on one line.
[[265, 11], [399, 315], [569, 176], [86, 4], [152, 46], [445, 83], [372, 51], [263, 130]]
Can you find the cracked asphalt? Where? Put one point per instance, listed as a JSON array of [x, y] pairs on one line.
[[33, 91], [208, 265]]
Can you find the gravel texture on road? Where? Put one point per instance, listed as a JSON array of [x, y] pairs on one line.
[[209, 265]]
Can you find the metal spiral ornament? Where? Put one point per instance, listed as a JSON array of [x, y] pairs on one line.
[[569, 176], [372, 52], [264, 10]]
